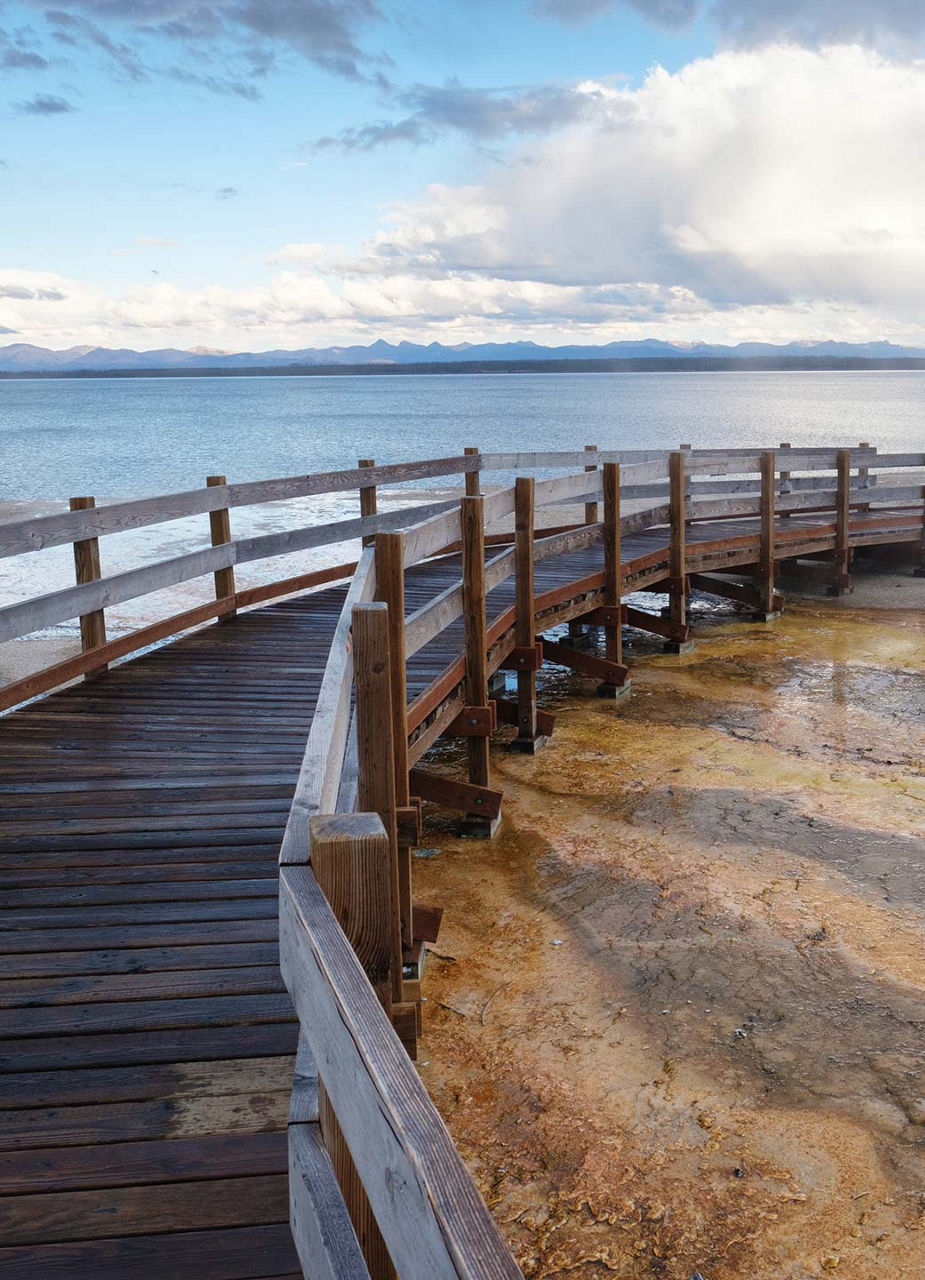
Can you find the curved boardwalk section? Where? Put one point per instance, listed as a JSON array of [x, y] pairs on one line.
[[149, 1043]]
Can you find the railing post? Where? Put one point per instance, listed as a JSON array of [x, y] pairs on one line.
[[688, 493], [591, 511], [613, 576], [375, 755], [841, 578], [368, 501], [473, 486], [220, 528], [677, 555], [525, 633], [390, 588], [87, 569], [766, 561], [785, 488], [864, 476], [473, 548], [351, 860]]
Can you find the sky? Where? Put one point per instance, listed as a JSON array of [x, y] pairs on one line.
[[253, 174]]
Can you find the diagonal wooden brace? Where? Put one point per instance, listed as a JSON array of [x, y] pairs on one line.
[[427, 920], [658, 626], [452, 793], [586, 664]]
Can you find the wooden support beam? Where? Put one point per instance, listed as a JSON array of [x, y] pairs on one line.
[[741, 592], [472, 521], [766, 561], [473, 722], [427, 920], [613, 569], [472, 477], [509, 713], [452, 793], [591, 513], [220, 530], [87, 569], [390, 588], [586, 664], [525, 635], [520, 659], [368, 500], [786, 487], [841, 578], [375, 754], [658, 626], [677, 584]]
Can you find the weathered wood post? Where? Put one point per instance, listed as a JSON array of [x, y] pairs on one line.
[[473, 487], [766, 561], [841, 577], [688, 494], [390, 588], [677, 555], [220, 528], [591, 513], [368, 500], [87, 569], [473, 549], [577, 630], [864, 477], [375, 754], [525, 632], [352, 862], [785, 488], [613, 576]]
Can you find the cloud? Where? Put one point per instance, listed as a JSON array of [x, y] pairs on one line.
[[754, 194], [227, 193], [481, 114], [44, 104], [17, 52], [747, 23], [324, 31], [23, 293]]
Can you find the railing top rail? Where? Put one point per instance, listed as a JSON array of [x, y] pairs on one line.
[[20, 536]]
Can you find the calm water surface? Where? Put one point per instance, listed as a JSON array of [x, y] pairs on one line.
[[116, 438]]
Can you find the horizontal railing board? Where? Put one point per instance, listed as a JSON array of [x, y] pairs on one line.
[[322, 1232], [426, 623], [564, 488], [320, 772], [429, 536], [559, 544], [499, 568], [60, 606], [41, 532], [428, 1209]]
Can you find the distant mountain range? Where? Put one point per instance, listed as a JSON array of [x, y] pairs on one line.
[[22, 357]]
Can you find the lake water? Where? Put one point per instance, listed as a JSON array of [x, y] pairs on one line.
[[127, 437]]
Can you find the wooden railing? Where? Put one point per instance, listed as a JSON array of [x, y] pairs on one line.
[[375, 1148], [377, 1187]]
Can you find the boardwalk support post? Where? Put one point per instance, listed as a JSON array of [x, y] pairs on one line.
[[87, 569], [677, 555], [390, 588], [613, 578], [527, 738], [472, 520], [375, 754], [785, 487], [577, 629], [841, 576], [766, 560], [368, 500], [220, 529], [472, 477], [351, 860]]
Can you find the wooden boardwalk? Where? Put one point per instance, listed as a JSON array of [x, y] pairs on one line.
[[148, 1041]]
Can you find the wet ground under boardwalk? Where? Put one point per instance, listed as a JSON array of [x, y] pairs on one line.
[[674, 1019]]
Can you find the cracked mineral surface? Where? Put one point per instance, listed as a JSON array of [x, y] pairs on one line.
[[674, 1018]]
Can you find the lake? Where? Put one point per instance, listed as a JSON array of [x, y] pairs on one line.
[[126, 437]]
